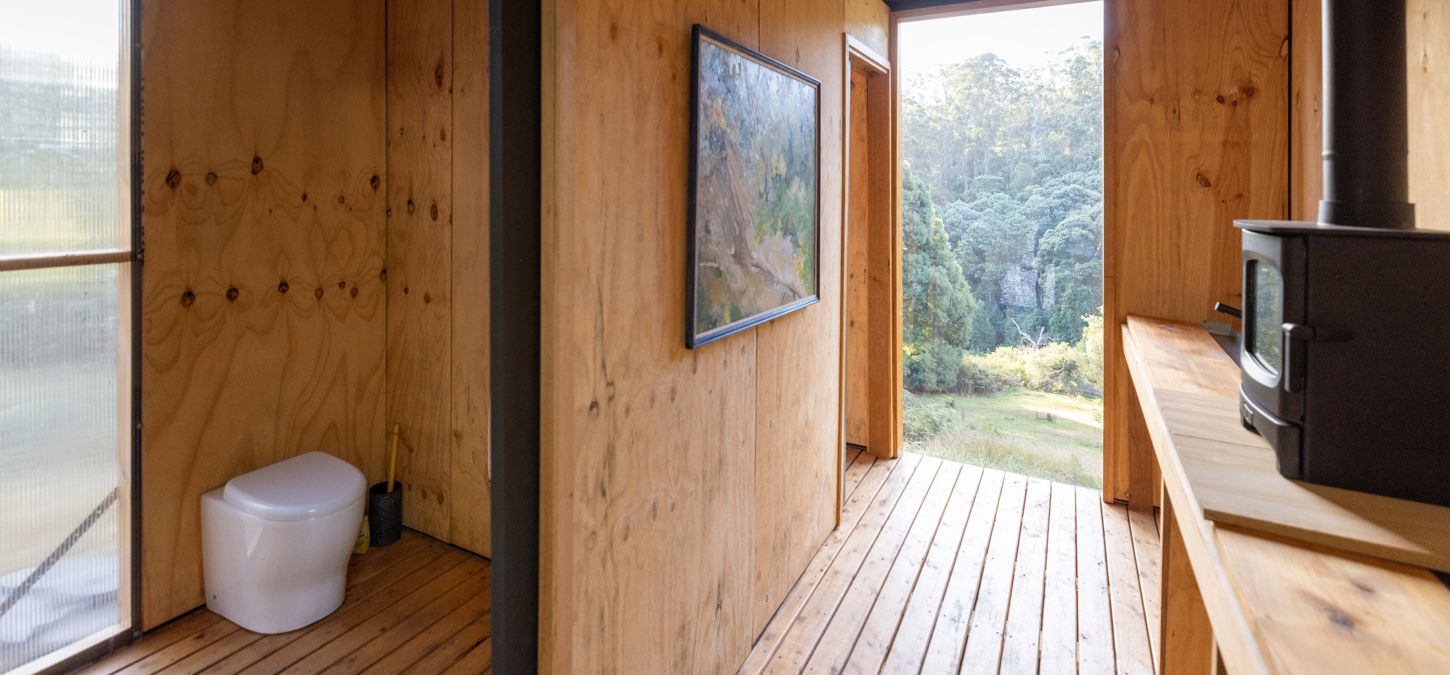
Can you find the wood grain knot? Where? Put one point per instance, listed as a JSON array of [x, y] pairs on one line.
[[375, 182], [187, 297], [383, 274], [438, 72], [1203, 180], [256, 165], [427, 297], [232, 294], [341, 285], [211, 178], [283, 287], [1341, 620], [411, 207], [317, 294], [353, 292], [304, 198], [341, 199], [173, 178], [433, 212]]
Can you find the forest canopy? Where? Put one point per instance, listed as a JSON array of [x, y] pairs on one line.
[[1002, 224]]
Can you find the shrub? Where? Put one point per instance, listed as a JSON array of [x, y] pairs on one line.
[[1056, 367], [933, 367], [923, 420]]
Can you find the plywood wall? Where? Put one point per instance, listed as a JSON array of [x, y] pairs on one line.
[[263, 314], [683, 491], [1429, 83], [1428, 61], [1306, 112], [1196, 136], [437, 284], [301, 291]]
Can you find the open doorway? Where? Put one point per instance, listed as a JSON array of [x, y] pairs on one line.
[[871, 251], [1000, 116]]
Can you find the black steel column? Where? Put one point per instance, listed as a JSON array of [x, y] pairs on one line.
[[515, 68]]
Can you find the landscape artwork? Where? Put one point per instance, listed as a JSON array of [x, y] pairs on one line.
[[755, 207]]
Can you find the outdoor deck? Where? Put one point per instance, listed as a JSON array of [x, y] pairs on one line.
[[940, 567], [416, 606]]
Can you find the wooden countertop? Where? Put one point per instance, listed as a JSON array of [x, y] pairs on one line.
[[1282, 605]]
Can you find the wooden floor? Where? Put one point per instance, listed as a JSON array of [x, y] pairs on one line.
[[940, 567], [416, 606], [937, 567]]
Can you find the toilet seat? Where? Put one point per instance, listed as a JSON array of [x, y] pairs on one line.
[[309, 485]]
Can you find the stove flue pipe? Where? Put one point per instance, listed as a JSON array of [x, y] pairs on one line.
[[1366, 127]]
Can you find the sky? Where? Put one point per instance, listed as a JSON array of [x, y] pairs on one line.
[[80, 30], [1025, 38]]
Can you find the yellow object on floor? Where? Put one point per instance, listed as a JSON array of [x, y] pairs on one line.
[[363, 538]]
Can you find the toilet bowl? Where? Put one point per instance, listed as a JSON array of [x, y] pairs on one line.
[[276, 542]]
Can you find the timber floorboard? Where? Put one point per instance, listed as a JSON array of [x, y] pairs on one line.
[[939, 567], [418, 605]]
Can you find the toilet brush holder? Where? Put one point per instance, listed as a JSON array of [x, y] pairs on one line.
[[385, 514]]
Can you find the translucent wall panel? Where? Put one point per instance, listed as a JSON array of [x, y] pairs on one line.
[[58, 126], [63, 432], [58, 458]]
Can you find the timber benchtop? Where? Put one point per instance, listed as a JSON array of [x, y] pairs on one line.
[[1266, 575]]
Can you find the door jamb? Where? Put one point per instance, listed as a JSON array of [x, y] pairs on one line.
[[886, 442]]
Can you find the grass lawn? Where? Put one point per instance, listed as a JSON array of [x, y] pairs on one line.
[[1034, 433]]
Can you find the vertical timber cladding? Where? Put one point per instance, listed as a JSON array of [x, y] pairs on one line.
[[1428, 46], [858, 300], [1195, 136], [682, 491], [263, 303], [437, 249]]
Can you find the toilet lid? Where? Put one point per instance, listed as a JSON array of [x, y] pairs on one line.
[[307, 486]]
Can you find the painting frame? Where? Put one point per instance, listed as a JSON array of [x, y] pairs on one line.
[[694, 337]]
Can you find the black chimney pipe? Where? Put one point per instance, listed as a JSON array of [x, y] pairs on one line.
[[1366, 126]]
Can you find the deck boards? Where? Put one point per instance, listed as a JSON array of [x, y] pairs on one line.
[[937, 567], [418, 604], [943, 568]]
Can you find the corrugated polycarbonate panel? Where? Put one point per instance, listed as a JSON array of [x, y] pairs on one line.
[[58, 126], [64, 424], [58, 458]]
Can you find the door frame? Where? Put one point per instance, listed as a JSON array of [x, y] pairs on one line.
[[884, 390], [1121, 444]]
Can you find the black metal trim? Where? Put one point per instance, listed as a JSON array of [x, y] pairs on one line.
[[693, 339], [138, 245], [515, 30]]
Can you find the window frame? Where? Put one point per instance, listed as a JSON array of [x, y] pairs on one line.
[[128, 261]]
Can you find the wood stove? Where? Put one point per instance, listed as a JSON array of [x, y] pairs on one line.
[[1345, 350]]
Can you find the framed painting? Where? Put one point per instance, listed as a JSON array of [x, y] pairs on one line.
[[754, 190]]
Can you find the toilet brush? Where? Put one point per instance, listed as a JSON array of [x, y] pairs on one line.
[[385, 501], [393, 456]]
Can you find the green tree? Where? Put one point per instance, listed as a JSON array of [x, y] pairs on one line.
[[1070, 256], [937, 302], [1015, 157]]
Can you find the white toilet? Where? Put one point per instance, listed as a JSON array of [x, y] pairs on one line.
[[276, 542]]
